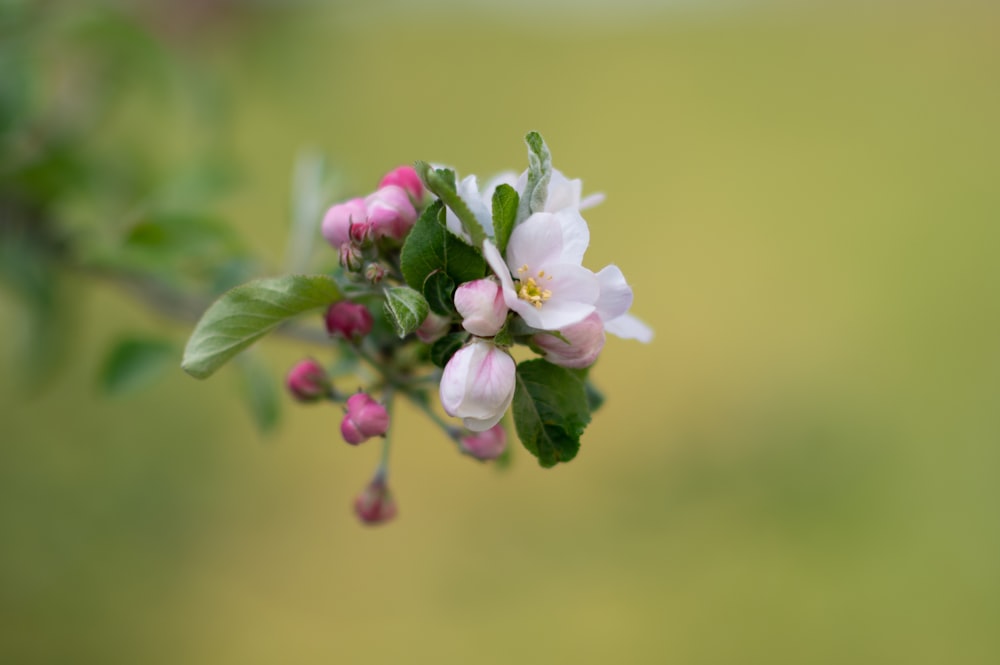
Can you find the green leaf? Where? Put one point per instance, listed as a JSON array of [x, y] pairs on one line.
[[431, 247], [442, 183], [550, 411], [505, 201], [406, 309], [439, 289], [243, 315], [536, 190], [443, 349], [260, 392], [135, 363], [595, 398]]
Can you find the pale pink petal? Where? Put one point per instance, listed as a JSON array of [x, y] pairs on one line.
[[592, 200], [627, 326], [453, 380], [535, 242], [616, 295], [575, 236], [562, 193], [499, 266]]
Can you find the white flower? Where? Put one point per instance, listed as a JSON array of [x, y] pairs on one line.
[[478, 385], [544, 253]]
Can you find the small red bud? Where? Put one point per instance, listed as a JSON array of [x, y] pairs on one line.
[[307, 381], [364, 419], [348, 320], [375, 504]]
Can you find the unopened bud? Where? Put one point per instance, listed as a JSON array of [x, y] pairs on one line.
[[350, 257], [349, 320], [340, 218], [581, 344], [482, 307], [407, 178], [374, 272], [433, 328], [375, 504], [364, 419], [390, 212], [307, 381], [485, 445]]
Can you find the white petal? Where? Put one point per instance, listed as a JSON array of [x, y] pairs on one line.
[[535, 242], [574, 292], [592, 200], [575, 236], [468, 190], [629, 327], [616, 295], [453, 380], [562, 193], [573, 283], [500, 269]]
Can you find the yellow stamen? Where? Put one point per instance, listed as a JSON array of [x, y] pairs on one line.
[[534, 294]]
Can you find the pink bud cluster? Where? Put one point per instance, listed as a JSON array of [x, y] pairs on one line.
[[387, 213]]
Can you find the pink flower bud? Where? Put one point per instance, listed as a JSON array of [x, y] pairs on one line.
[[433, 328], [364, 419], [350, 257], [407, 178], [485, 445], [478, 385], [390, 212], [348, 320], [339, 219], [307, 381], [586, 339], [375, 504], [482, 307]]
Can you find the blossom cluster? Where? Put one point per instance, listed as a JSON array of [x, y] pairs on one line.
[[440, 279]]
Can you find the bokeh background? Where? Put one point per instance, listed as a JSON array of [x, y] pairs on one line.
[[801, 468]]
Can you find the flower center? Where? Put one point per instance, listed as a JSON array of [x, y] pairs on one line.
[[529, 289]]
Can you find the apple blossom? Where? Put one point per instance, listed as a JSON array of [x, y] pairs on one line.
[[562, 193], [544, 252], [482, 307], [433, 328], [477, 384]]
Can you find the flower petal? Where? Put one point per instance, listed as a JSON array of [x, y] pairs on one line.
[[574, 292], [616, 295], [627, 326], [535, 242], [575, 236]]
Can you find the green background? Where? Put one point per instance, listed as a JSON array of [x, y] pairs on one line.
[[801, 468]]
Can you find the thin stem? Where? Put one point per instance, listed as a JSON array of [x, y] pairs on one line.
[[383, 465]]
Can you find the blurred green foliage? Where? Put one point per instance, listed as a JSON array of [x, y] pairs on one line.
[[800, 469]]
